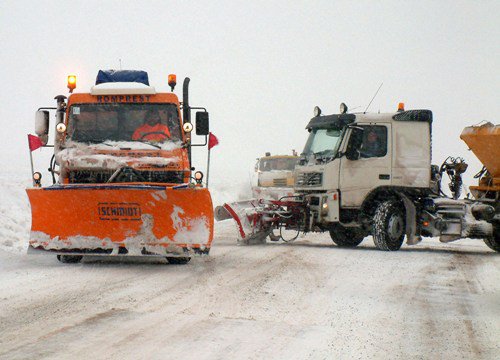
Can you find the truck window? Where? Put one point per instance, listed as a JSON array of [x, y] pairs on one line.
[[324, 142], [94, 123], [374, 141], [279, 164]]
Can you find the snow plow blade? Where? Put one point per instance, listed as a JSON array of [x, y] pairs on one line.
[[248, 215], [121, 220]]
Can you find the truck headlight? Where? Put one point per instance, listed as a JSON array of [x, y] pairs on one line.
[[324, 209], [37, 179], [61, 127], [198, 176]]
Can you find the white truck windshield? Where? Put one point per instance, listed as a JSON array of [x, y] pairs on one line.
[[323, 142]]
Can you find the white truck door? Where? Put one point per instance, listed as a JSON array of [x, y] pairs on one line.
[[371, 170]]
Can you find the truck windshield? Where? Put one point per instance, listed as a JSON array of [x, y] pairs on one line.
[[323, 142], [96, 123], [268, 164]]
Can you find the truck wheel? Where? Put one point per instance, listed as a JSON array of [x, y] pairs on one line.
[[69, 259], [178, 260], [344, 237], [493, 242], [388, 227]]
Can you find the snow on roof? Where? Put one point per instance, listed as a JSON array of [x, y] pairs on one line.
[[122, 88]]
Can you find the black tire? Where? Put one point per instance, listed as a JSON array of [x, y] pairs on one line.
[[344, 237], [389, 226], [178, 260], [69, 259], [494, 241]]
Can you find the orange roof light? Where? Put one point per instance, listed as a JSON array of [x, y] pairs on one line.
[[401, 107], [172, 81], [71, 83]]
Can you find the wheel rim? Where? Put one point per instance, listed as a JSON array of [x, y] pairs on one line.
[[395, 227]]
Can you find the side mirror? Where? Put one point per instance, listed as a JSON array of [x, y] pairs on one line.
[[42, 125], [202, 127], [354, 144]]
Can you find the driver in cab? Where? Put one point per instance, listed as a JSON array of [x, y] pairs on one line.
[[152, 129]]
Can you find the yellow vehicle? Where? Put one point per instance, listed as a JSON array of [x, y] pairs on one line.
[[274, 176], [484, 141]]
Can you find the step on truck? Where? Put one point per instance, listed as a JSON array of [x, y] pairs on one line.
[[371, 174], [122, 177]]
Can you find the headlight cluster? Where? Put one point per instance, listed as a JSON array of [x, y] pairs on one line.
[[61, 127], [198, 176]]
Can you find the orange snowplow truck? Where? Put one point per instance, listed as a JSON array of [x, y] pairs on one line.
[[122, 178]]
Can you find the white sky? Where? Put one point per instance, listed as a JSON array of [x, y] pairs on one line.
[[258, 66]]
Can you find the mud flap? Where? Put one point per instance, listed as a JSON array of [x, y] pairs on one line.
[[249, 220], [121, 219], [411, 221]]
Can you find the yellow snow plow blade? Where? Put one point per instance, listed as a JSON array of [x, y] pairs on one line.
[[121, 219]]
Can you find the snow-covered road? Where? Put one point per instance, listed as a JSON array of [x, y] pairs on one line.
[[304, 300]]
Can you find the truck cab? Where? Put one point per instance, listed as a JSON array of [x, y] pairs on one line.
[[274, 176], [355, 156], [103, 134]]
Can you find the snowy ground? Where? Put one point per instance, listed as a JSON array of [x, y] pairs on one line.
[[303, 300]]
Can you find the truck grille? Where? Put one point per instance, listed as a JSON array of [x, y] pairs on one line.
[[309, 179], [279, 182], [99, 177]]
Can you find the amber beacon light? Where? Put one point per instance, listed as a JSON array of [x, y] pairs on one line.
[[172, 81], [71, 83]]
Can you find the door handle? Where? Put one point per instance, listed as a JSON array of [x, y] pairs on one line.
[[384, 176]]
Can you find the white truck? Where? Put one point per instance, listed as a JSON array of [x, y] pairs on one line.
[[273, 178], [371, 174]]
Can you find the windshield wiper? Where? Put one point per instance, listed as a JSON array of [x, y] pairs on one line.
[[148, 143], [325, 155]]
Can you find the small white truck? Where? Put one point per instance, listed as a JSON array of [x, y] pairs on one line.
[[273, 178]]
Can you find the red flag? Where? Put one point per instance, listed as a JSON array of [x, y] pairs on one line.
[[212, 141], [34, 142]]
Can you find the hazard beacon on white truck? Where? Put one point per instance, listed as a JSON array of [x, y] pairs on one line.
[[371, 174]]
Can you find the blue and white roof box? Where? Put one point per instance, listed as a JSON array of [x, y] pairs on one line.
[[110, 76], [122, 82]]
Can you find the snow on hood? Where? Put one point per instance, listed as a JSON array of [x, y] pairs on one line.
[[119, 145], [80, 155]]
